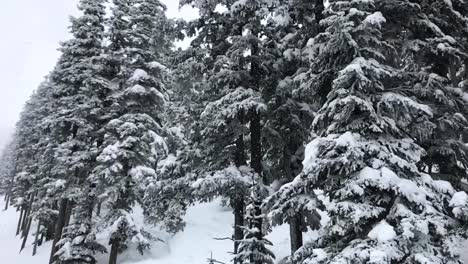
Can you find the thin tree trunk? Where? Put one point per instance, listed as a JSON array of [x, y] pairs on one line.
[[68, 212], [26, 234], [98, 209], [256, 144], [238, 203], [41, 240], [20, 220], [7, 201], [36, 238], [58, 228], [50, 231], [295, 232], [114, 251], [26, 218], [238, 206]]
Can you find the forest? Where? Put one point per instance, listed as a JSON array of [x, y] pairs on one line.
[[345, 117]]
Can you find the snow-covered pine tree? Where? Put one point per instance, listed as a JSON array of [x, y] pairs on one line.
[[227, 101], [35, 163], [79, 93], [253, 247], [78, 244], [238, 70], [431, 36], [134, 141], [291, 105], [382, 209], [7, 171], [28, 160], [167, 198]]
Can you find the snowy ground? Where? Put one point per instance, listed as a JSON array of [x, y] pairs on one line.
[[205, 222]]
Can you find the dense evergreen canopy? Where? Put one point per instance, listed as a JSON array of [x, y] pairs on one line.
[[346, 117]]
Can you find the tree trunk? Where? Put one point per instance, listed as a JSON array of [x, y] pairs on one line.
[[238, 203], [319, 8], [58, 228], [238, 206], [7, 201], [256, 144], [114, 251], [98, 209], [26, 233], [20, 220], [50, 231], [26, 218], [295, 231], [41, 240], [68, 212], [36, 238]]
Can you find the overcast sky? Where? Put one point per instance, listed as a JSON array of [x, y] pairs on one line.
[[30, 32]]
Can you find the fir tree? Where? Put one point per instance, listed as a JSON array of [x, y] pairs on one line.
[[79, 92], [364, 161], [430, 36], [133, 143], [253, 247]]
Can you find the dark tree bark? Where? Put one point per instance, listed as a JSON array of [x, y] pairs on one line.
[[50, 231], [114, 251], [36, 238], [58, 228], [7, 201], [98, 209], [295, 231], [238, 207], [238, 203], [20, 220], [41, 240], [68, 212], [256, 144], [26, 217], [26, 233]]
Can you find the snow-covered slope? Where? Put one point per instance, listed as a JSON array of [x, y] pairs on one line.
[[205, 223]]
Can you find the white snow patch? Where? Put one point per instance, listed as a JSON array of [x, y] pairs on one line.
[[459, 199], [375, 19], [138, 75], [382, 232]]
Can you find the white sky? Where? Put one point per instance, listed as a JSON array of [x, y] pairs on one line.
[[30, 32]]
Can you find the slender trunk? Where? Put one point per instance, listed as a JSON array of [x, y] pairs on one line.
[[258, 223], [49, 235], [295, 232], [319, 8], [238, 206], [114, 251], [20, 221], [26, 218], [24, 224], [36, 238], [58, 228], [98, 209], [7, 201], [41, 240], [238, 203], [256, 144], [68, 212], [26, 233], [453, 68]]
